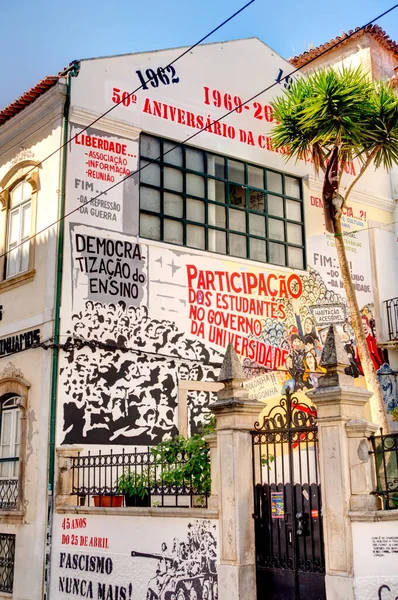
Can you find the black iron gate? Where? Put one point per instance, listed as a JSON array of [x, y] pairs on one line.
[[287, 504]]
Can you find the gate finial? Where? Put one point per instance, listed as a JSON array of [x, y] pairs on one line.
[[231, 367], [335, 359]]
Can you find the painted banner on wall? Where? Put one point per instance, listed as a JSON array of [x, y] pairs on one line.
[[133, 558]]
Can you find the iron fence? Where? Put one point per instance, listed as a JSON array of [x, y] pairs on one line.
[[7, 556], [140, 479], [392, 318], [8, 493], [385, 452]]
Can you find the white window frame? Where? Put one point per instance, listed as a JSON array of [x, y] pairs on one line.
[[16, 246], [11, 406]]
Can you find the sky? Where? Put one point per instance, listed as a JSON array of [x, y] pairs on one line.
[[41, 37]]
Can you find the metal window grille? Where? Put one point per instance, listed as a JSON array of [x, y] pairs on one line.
[[385, 452], [392, 318], [7, 558], [158, 481], [202, 200], [8, 493]]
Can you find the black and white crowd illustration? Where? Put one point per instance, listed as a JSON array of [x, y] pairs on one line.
[[121, 367]]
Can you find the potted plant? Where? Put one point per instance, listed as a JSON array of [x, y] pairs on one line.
[[193, 470], [135, 487], [108, 500]]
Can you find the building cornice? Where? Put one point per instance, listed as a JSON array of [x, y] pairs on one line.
[[81, 116], [47, 107], [387, 204]]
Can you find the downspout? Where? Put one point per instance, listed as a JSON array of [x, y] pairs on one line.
[[71, 72]]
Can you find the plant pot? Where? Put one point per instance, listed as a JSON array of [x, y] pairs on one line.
[[135, 500], [108, 501]]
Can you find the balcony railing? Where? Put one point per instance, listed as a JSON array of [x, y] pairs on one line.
[[8, 493], [385, 452], [107, 479], [392, 318]]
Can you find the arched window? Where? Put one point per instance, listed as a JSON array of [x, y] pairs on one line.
[[19, 229], [10, 436]]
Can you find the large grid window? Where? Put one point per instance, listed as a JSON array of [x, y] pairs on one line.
[[201, 200]]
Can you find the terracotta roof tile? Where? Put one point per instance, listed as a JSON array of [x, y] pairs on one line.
[[27, 98], [374, 30]]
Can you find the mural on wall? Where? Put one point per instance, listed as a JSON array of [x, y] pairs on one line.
[[188, 570], [155, 559], [123, 361]]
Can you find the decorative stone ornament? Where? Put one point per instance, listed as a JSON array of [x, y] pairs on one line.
[[335, 360], [11, 372]]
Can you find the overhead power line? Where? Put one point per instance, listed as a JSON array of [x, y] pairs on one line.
[[208, 126], [134, 91]]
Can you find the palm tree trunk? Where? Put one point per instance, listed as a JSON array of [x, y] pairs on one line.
[[377, 406]]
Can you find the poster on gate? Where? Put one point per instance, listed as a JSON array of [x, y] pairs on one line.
[[277, 505]]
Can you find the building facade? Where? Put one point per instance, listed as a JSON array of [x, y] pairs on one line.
[[29, 205], [174, 242]]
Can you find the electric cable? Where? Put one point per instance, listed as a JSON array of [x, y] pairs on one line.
[[178, 145], [71, 66]]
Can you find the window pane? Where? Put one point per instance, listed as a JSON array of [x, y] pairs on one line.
[[195, 185], [257, 225], [237, 245], [195, 210], [293, 210], [294, 234], [216, 166], [237, 220], [256, 200], [216, 215], [173, 232], [173, 156], [256, 177], [196, 237], [173, 205], [24, 256], [295, 257], [237, 195], [26, 212], [258, 250], [274, 182], [194, 160], [150, 174], [6, 419], [14, 227], [150, 146], [276, 254], [276, 230], [150, 199], [217, 241], [275, 206], [16, 195], [150, 227], [220, 191], [236, 171], [26, 191], [12, 262], [172, 179], [292, 187]]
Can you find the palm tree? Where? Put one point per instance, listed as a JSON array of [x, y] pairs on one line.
[[334, 117]]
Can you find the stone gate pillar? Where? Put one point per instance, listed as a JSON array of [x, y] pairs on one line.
[[345, 470], [235, 414]]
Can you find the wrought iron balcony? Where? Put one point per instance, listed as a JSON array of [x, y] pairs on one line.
[[392, 318]]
